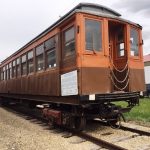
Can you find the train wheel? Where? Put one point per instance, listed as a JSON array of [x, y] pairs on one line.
[[51, 123], [80, 123], [115, 122]]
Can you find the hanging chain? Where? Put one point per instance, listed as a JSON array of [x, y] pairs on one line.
[[120, 81], [116, 67], [120, 71], [121, 89]]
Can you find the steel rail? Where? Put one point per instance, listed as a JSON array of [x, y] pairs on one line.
[[140, 132], [97, 141]]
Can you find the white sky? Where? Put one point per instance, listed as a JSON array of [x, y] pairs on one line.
[[22, 20]]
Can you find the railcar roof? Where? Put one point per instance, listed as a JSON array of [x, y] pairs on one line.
[[89, 8]]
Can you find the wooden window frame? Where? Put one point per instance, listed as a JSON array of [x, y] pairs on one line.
[[139, 52], [37, 56], [49, 50], [28, 60], [18, 65], [13, 69], [71, 25], [24, 63], [94, 18]]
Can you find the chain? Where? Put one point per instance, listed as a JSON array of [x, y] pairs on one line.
[[120, 81], [115, 66], [121, 89]]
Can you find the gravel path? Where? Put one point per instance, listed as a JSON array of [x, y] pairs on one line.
[[18, 133], [122, 138]]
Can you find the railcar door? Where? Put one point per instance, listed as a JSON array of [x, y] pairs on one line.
[[118, 56]]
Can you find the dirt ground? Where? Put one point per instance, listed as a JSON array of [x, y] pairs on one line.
[[18, 132]]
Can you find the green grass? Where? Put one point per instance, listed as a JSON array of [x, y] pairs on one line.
[[138, 113]]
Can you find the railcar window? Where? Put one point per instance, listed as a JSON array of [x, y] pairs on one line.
[[51, 58], [13, 69], [50, 53], [1, 74], [10, 70], [50, 43], [4, 73], [134, 42], [7, 72], [23, 65], [69, 42], [93, 34], [39, 58], [18, 66], [30, 62], [120, 42]]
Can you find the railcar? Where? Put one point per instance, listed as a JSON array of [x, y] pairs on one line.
[[77, 68]]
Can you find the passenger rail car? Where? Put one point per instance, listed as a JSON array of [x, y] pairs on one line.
[[78, 67]]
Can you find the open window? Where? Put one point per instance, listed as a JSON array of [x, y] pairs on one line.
[[39, 58], [69, 42], [50, 49], [134, 42], [93, 35], [30, 65]]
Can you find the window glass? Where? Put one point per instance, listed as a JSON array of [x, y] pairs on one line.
[[7, 72], [18, 67], [23, 68], [18, 70], [69, 35], [134, 43], [23, 65], [14, 69], [14, 63], [10, 70], [49, 44], [23, 59], [51, 58], [39, 62], [39, 58], [4, 73], [30, 55], [30, 62], [39, 50], [93, 35], [120, 42], [69, 42], [30, 66], [18, 61], [1, 74]]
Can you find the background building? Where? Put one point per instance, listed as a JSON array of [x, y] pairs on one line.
[[147, 73]]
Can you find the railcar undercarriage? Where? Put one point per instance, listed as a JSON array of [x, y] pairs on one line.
[[75, 116]]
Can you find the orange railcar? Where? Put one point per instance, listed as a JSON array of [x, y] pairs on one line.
[[86, 60]]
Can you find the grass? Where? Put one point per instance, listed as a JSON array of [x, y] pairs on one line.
[[138, 113]]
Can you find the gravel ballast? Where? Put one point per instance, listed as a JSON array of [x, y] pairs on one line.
[[18, 133]]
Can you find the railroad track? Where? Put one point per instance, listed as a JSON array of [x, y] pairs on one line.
[[84, 135], [140, 132], [101, 143]]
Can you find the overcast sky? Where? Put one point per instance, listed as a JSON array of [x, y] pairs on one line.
[[22, 20]]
